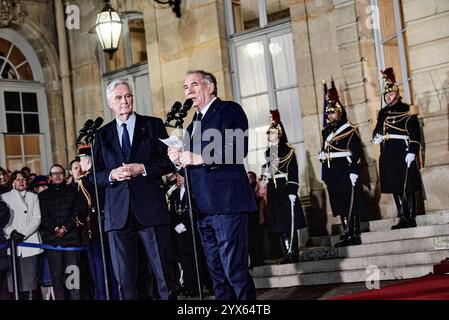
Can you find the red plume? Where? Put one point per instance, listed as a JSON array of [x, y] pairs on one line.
[[275, 116]]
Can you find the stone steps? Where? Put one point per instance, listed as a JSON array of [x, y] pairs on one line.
[[430, 257], [361, 275], [374, 249], [434, 218], [430, 219], [398, 254]]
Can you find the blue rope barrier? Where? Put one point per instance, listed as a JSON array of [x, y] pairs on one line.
[[45, 247]]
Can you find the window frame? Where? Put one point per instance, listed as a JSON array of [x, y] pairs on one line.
[[37, 86], [399, 35], [263, 35], [129, 73], [127, 43]]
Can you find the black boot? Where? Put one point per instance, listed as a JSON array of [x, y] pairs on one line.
[[353, 236], [344, 224], [290, 256], [403, 221], [411, 206], [26, 295]]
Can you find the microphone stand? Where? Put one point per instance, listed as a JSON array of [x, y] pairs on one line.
[[178, 125], [89, 139]]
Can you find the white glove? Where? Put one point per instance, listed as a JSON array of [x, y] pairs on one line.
[[353, 178], [180, 228], [292, 198], [409, 158], [266, 174], [378, 138], [322, 156]]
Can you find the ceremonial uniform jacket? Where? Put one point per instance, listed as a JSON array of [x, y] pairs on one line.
[[402, 135]]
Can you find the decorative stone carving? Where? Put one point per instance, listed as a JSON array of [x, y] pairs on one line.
[[10, 11]]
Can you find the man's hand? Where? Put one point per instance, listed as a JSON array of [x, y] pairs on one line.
[[409, 158], [188, 158], [322, 156], [133, 169], [121, 174], [174, 153], [292, 198], [353, 177], [378, 138], [60, 232], [17, 236]]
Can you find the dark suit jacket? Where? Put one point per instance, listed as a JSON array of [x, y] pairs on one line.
[[220, 187], [4, 219], [144, 194]]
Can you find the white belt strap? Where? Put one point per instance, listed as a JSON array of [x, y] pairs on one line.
[[333, 134], [347, 155], [280, 175], [398, 137]]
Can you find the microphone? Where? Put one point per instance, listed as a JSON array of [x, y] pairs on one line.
[[187, 104], [174, 109], [83, 131], [93, 129], [185, 107], [98, 122]]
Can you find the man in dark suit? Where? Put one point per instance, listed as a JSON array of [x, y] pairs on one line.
[[130, 162], [219, 184]]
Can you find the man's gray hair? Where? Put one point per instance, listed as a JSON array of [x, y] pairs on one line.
[[113, 84], [207, 76]]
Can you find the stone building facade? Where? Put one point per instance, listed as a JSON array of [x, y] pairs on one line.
[[350, 40]]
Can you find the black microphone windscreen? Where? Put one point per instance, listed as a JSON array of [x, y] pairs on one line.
[[87, 125], [98, 122], [84, 130], [187, 104], [176, 106]]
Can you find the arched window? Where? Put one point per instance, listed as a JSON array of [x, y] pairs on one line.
[[129, 63], [24, 131]]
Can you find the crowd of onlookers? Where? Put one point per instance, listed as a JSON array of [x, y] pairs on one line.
[[57, 256], [47, 210]]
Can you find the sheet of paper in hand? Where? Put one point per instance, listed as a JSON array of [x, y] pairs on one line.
[[172, 141]]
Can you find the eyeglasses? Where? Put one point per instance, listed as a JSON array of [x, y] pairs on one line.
[[59, 173], [126, 96]]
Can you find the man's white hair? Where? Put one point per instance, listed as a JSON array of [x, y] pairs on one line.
[[113, 84]]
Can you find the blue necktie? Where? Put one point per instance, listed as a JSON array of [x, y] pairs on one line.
[[126, 145]]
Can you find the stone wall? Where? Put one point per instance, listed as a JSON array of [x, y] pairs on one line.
[[331, 38], [195, 41], [37, 27], [426, 24]]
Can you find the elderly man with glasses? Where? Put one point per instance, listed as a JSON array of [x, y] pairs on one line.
[[130, 161]]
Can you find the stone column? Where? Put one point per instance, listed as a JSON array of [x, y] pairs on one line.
[[65, 80]]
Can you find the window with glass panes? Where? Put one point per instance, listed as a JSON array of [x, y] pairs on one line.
[[391, 43], [20, 133], [130, 62], [263, 62]]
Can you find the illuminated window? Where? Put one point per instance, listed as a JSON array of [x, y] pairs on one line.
[[250, 14], [24, 127], [264, 72], [391, 43]]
